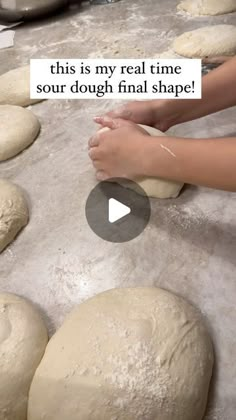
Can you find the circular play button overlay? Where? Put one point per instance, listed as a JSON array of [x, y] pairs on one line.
[[118, 210]]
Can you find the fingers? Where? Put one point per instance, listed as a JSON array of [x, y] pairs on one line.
[[101, 176], [111, 123], [108, 122], [116, 117], [94, 140], [93, 153], [94, 156], [120, 112], [96, 164]]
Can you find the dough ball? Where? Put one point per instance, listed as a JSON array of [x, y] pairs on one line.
[[18, 129], [23, 338], [156, 187], [135, 353], [15, 87], [14, 213], [207, 7], [207, 41]]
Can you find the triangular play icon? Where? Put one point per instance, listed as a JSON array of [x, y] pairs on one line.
[[117, 210]]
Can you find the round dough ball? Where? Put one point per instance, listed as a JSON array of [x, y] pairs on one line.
[[207, 7], [23, 338], [135, 353], [207, 42], [18, 129], [15, 87], [14, 214], [156, 187]]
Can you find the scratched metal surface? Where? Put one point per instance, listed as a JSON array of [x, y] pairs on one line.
[[189, 246]]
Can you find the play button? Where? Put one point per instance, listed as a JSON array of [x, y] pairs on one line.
[[118, 210]]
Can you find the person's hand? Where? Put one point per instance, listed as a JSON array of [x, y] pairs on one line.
[[120, 151], [161, 114]]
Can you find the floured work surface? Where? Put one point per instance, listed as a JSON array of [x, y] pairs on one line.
[[189, 246]]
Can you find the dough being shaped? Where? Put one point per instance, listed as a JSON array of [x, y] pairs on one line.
[[207, 7], [18, 129], [14, 214], [15, 87], [23, 338], [135, 353], [207, 42], [156, 187]]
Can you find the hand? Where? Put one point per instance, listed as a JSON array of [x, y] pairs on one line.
[[161, 114], [119, 152]]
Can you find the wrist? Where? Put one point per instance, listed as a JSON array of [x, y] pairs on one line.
[[161, 158], [170, 112], [151, 158]]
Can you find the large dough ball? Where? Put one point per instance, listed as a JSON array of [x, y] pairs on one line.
[[15, 87], [207, 42], [14, 212], [126, 354], [156, 187], [207, 7], [18, 129], [23, 338]]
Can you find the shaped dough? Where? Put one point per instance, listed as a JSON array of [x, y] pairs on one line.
[[14, 213], [136, 353], [18, 129], [207, 41], [156, 187], [207, 7], [15, 87], [23, 338]]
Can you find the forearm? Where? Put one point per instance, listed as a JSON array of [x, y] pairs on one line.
[[210, 163], [218, 93]]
